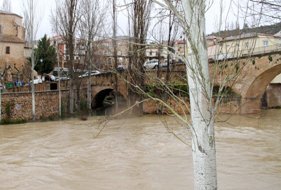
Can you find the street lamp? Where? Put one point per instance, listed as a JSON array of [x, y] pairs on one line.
[[42, 66]]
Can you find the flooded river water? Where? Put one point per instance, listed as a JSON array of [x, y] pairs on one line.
[[137, 154]]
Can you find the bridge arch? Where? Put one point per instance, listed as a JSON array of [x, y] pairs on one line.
[[104, 97], [100, 96], [251, 97]]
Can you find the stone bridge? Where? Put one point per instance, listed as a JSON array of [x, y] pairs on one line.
[[248, 77], [253, 77], [103, 85]]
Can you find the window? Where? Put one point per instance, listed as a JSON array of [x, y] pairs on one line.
[[8, 50], [0, 29], [246, 44], [265, 43]]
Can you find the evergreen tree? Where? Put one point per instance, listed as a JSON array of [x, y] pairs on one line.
[[46, 57]]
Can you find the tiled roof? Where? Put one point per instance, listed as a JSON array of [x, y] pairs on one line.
[[10, 39]]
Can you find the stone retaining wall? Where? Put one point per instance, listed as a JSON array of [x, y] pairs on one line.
[[18, 106], [227, 106]]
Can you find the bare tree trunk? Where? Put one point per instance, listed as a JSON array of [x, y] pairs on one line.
[[141, 13], [66, 19], [1, 100], [203, 139], [169, 46], [90, 26], [89, 93], [31, 19], [89, 81], [71, 28], [115, 54], [59, 82]]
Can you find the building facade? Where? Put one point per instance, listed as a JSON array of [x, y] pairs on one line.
[[12, 38], [63, 53], [244, 45]]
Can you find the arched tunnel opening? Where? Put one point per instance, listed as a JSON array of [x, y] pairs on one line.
[[271, 97], [104, 102], [257, 94]]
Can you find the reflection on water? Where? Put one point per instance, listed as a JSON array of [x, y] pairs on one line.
[[137, 153]]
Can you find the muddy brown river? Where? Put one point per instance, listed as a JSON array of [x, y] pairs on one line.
[[137, 154]]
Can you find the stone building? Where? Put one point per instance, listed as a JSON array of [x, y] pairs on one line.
[[63, 53], [12, 37], [104, 50], [244, 42]]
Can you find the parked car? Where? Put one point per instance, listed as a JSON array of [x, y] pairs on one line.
[[154, 63], [151, 64], [92, 73], [36, 81], [61, 78], [63, 71], [49, 77]]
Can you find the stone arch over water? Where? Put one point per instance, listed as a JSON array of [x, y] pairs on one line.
[[104, 100], [255, 85], [102, 96]]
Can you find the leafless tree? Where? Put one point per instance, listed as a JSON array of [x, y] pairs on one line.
[[114, 43], [192, 20], [269, 9], [65, 20], [31, 30], [90, 27], [140, 25]]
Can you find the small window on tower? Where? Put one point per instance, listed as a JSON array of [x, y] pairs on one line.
[[265, 43], [8, 50]]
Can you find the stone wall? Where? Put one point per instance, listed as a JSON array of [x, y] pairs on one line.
[[16, 57], [20, 105], [12, 25], [227, 106]]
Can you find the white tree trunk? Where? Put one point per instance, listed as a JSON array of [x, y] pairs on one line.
[[59, 82], [89, 92], [89, 78], [203, 141], [31, 14]]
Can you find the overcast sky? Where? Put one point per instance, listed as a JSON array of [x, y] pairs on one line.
[[44, 8]]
